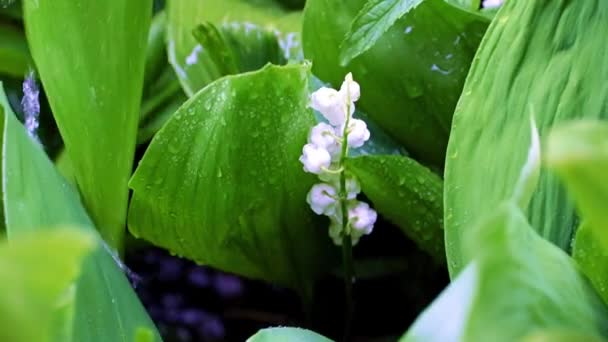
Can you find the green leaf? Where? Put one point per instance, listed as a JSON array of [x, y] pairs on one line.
[[14, 54], [221, 183], [411, 78], [516, 284], [407, 194], [36, 271], [560, 335], [578, 152], [37, 199], [287, 335], [90, 57], [252, 24], [592, 258], [156, 53], [374, 19], [540, 59]]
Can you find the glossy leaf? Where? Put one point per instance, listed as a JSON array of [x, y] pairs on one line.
[[538, 59], [287, 335], [374, 19], [90, 57], [592, 257], [252, 22], [406, 193], [38, 199], [411, 78], [516, 284], [36, 271], [237, 206], [578, 152]]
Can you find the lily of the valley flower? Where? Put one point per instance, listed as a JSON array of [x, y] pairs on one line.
[[323, 157]]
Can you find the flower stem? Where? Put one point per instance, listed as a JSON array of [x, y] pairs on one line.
[[347, 247]]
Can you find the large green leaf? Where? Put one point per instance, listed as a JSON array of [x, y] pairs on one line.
[[411, 78], [36, 271], [221, 183], [252, 21], [90, 56], [592, 257], [287, 335], [545, 59], [578, 152], [516, 284], [37, 198], [374, 19], [406, 193]]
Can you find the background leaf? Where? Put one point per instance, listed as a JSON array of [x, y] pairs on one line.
[[94, 93], [36, 199], [374, 19], [190, 59], [406, 193], [541, 59], [221, 183], [30, 290], [287, 334], [592, 257], [516, 284], [412, 78], [14, 54]]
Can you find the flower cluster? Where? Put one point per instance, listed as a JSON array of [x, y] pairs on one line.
[[324, 155]]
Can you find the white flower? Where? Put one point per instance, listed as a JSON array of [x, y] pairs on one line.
[[350, 89], [331, 104], [362, 218], [358, 133], [324, 136], [322, 198], [492, 3], [352, 188], [315, 158]]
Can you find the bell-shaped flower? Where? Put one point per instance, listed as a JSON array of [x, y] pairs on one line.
[[358, 133], [315, 158], [324, 135], [362, 218], [352, 188], [323, 199], [331, 104]]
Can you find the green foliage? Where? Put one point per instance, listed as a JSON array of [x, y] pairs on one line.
[[37, 200], [221, 183], [411, 78], [516, 284], [540, 59], [92, 73], [287, 335], [406, 193], [14, 54]]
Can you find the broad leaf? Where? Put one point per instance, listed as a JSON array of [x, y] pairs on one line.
[[14, 54], [247, 21], [406, 193], [221, 183], [37, 198], [516, 284], [592, 257], [578, 152], [287, 334], [411, 78], [374, 19], [540, 59], [36, 271], [90, 57]]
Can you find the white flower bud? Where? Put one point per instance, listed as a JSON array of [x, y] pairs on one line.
[[362, 218], [322, 198], [358, 133], [350, 89], [492, 3], [324, 135], [315, 158], [331, 104], [352, 188]]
